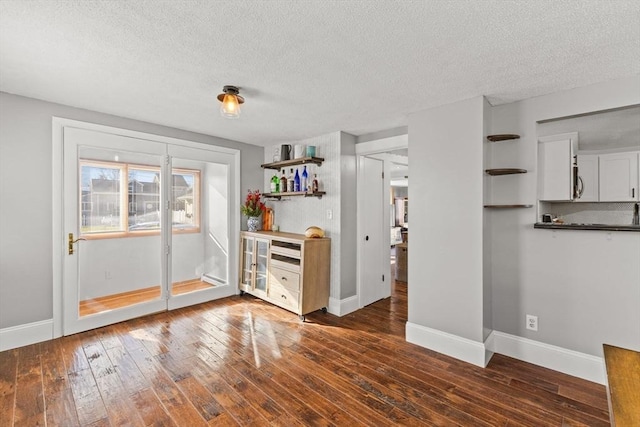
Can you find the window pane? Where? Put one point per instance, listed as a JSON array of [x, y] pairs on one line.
[[144, 199], [100, 199], [185, 201]]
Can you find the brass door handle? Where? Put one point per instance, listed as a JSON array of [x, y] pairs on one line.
[[71, 242]]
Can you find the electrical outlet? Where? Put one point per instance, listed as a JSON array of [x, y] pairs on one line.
[[329, 214], [532, 322], [107, 275]]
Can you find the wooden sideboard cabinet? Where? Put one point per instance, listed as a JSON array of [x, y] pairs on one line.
[[289, 270]]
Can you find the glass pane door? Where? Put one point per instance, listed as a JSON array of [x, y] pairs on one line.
[[247, 262], [262, 250], [113, 197], [146, 226], [200, 217]]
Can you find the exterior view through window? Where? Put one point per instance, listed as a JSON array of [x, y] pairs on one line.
[[123, 200]]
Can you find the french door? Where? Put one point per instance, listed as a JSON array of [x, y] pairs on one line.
[[147, 227], [200, 257]]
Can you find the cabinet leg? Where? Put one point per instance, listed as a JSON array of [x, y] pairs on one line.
[[324, 310], [241, 292], [301, 317]]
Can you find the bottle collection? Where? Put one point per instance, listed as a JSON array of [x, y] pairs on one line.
[[294, 182]]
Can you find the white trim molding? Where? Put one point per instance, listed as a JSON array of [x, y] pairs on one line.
[[383, 145], [474, 352], [29, 333], [343, 307], [581, 365]]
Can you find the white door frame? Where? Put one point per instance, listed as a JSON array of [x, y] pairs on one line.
[[364, 149], [58, 241]]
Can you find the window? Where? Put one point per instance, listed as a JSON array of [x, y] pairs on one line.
[[123, 200], [184, 195]]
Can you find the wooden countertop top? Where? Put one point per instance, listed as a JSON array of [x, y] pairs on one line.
[[284, 235], [623, 385]]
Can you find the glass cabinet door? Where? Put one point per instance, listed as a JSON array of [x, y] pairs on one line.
[[247, 262], [262, 252]]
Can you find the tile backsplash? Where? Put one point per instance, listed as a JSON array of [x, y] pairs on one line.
[[589, 213]]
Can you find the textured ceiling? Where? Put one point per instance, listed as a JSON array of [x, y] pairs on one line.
[[307, 68]]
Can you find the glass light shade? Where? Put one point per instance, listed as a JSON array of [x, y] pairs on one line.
[[230, 107]]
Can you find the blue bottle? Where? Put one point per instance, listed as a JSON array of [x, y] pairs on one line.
[[305, 180], [296, 182]]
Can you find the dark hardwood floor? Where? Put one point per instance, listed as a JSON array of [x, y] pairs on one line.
[[241, 361]]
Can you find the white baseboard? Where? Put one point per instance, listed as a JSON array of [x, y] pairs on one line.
[[474, 352], [559, 359], [30, 333], [344, 306]]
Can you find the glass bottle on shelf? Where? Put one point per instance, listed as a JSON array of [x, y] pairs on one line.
[[296, 182], [273, 185], [290, 183], [283, 182], [315, 185], [304, 184]]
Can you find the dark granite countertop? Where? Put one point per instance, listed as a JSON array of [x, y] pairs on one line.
[[606, 227]]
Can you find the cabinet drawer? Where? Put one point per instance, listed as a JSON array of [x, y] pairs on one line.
[[285, 248], [285, 278], [280, 261], [283, 297]]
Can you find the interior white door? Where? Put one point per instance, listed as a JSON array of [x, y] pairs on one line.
[[202, 210], [373, 253], [114, 256]]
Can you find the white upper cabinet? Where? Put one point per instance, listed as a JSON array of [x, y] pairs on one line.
[[619, 177], [555, 165], [588, 178]]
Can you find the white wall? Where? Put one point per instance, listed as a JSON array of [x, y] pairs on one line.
[[111, 266], [348, 216], [487, 259], [216, 241], [337, 178], [584, 286], [25, 216], [446, 194]]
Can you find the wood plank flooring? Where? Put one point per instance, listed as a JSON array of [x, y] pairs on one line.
[[241, 361], [125, 299]]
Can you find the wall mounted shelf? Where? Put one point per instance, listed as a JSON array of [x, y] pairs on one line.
[[505, 171], [293, 162], [507, 206], [278, 196], [502, 137]]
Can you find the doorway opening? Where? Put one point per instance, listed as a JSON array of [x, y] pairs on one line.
[[383, 265], [399, 202]]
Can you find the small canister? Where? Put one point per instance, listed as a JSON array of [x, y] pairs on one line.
[[298, 151], [311, 150]]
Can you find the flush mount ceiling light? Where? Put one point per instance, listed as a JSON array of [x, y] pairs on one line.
[[231, 101]]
